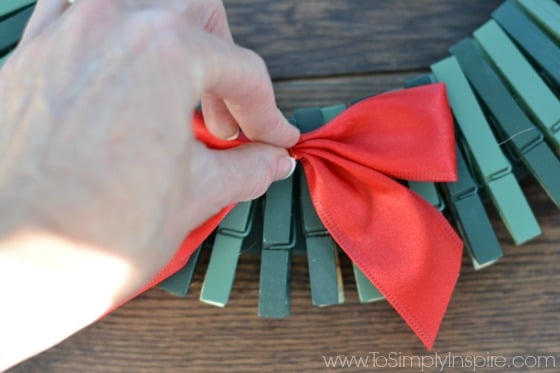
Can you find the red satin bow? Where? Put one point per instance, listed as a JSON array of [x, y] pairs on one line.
[[402, 244]]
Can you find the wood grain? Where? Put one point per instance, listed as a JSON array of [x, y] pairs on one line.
[[320, 37], [511, 308]]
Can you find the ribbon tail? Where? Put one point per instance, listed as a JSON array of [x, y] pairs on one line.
[[403, 245], [423, 306]]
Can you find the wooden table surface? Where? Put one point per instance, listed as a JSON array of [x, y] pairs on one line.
[[324, 52]]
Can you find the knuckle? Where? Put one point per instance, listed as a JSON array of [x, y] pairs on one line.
[[215, 17], [258, 64], [259, 86]]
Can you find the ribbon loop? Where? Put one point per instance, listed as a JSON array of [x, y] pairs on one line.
[[407, 134]]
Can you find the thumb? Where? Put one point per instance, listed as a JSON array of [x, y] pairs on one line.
[[250, 169]]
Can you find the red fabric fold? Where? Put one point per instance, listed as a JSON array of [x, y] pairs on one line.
[[402, 244]]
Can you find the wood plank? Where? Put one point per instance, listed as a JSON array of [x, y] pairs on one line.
[[509, 308], [318, 37]]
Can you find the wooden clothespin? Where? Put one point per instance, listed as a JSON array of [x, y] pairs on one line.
[[231, 237], [322, 252], [532, 39], [512, 125], [493, 168], [536, 97]]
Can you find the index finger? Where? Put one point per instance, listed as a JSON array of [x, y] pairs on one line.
[[240, 77]]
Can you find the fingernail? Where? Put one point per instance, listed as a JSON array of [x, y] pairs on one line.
[[233, 137], [286, 168]]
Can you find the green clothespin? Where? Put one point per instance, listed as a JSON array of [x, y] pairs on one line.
[[330, 112], [429, 192], [466, 207], [516, 130], [9, 6], [308, 119], [493, 168], [367, 292], [311, 118], [179, 283], [546, 12], [11, 28], [227, 247], [278, 240], [325, 277], [530, 38], [529, 87], [470, 217]]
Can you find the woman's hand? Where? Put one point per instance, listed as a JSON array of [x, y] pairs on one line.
[[99, 169]]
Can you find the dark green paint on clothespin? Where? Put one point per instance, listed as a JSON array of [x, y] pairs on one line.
[[537, 98], [278, 231], [546, 12], [308, 119], [325, 277], [429, 192], [279, 239], [466, 208], [227, 247], [330, 112], [470, 218], [367, 292], [179, 283], [530, 38], [11, 28], [511, 123], [494, 170], [274, 290], [322, 252], [238, 222]]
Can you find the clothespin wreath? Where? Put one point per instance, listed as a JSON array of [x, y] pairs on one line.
[[398, 240]]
